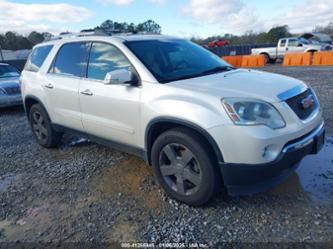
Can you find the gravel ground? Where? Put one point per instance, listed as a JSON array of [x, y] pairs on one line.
[[84, 192]]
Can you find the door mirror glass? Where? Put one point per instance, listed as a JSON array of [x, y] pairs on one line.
[[120, 76]]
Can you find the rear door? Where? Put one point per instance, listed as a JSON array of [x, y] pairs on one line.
[[110, 112], [62, 84], [293, 46]]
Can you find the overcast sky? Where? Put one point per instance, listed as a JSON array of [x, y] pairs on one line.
[[177, 17]]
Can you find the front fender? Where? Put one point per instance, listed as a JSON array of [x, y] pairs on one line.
[[205, 112], [184, 123]]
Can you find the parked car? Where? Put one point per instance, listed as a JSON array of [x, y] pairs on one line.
[[218, 43], [287, 45], [199, 122], [10, 92]]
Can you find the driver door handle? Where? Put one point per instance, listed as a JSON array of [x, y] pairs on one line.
[[87, 92]]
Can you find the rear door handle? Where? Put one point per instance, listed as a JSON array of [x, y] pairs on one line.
[[49, 85], [87, 92]]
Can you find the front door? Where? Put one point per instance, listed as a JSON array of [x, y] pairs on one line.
[[110, 112]]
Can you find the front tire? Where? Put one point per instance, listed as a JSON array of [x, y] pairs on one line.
[[42, 128], [184, 167], [267, 59]]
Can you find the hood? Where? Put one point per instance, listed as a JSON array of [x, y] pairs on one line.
[[241, 83], [9, 82]]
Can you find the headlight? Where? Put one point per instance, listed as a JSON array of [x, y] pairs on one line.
[[253, 112]]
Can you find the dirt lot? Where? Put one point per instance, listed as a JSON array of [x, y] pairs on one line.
[[86, 192]]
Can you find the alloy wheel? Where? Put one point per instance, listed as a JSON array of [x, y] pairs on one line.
[[39, 127], [180, 169]]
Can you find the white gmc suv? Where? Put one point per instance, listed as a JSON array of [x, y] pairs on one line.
[[199, 122]]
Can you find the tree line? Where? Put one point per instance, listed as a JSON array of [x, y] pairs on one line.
[[14, 41], [110, 27]]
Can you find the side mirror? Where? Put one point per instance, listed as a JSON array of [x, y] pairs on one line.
[[121, 76], [300, 44]]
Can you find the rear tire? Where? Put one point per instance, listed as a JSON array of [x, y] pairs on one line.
[[184, 167], [42, 128]]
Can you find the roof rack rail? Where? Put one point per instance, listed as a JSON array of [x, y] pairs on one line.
[[72, 35], [98, 32]]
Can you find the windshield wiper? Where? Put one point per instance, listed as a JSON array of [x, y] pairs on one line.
[[217, 70], [207, 72], [185, 77]]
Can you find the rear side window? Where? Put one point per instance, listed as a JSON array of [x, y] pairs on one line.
[[71, 59], [293, 43], [37, 58]]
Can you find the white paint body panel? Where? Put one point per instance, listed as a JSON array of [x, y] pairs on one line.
[[112, 112], [122, 113]]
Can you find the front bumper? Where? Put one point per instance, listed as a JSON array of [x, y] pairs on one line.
[[10, 100], [245, 179]]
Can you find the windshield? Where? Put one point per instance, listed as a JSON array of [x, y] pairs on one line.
[[8, 71], [171, 60]]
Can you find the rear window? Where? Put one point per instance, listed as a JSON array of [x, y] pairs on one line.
[[293, 43], [37, 58], [71, 59]]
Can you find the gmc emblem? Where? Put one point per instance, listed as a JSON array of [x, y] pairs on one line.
[[307, 102]]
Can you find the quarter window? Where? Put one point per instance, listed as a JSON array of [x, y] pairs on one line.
[[71, 59], [293, 43], [37, 58], [105, 58]]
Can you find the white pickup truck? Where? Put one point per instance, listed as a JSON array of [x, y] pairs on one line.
[[285, 45]]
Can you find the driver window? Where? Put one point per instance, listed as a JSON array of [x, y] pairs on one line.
[[105, 58], [283, 43]]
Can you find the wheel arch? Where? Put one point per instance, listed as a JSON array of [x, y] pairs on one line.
[[159, 125], [311, 50], [265, 53], [31, 100]]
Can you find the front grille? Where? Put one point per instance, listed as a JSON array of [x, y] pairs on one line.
[[13, 90], [295, 103]]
